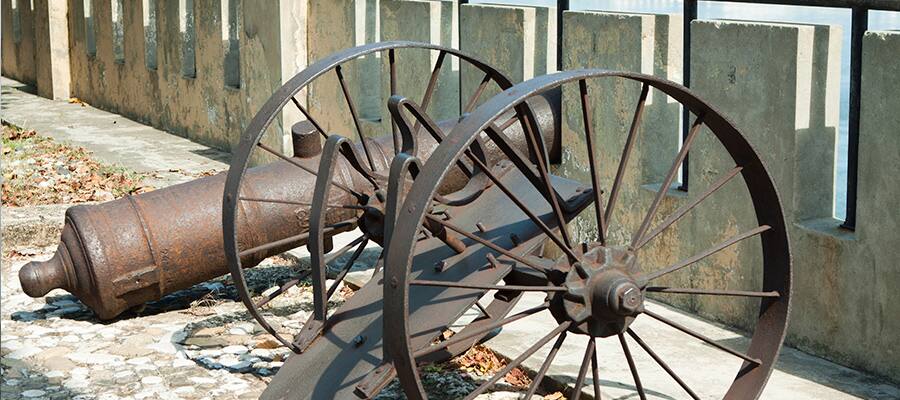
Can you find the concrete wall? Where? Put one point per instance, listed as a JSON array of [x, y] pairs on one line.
[[778, 82], [184, 89], [432, 22], [519, 41], [18, 40]]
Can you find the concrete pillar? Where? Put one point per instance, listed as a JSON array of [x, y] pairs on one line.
[[519, 41], [878, 207], [432, 22], [51, 49], [337, 25], [645, 43], [775, 82], [18, 44]]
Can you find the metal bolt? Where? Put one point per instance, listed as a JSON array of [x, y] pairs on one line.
[[440, 265], [630, 300], [480, 227], [515, 239], [492, 261], [359, 340]]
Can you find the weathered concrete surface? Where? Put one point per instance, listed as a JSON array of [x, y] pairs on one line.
[[876, 267], [51, 32], [432, 22], [837, 311], [706, 370], [338, 25], [17, 37], [645, 43], [201, 108], [112, 138], [518, 41]]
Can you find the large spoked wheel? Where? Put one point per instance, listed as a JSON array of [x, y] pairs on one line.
[[331, 183], [596, 289]]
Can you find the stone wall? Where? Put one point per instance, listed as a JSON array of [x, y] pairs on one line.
[[183, 88], [172, 65], [35, 45]]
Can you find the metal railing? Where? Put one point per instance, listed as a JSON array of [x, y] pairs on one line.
[[859, 25]]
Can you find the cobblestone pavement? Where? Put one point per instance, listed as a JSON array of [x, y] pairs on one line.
[[194, 344]]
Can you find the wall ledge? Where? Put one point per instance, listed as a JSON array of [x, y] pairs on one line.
[[826, 226]]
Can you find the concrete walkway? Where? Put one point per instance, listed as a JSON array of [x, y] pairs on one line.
[[111, 137], [172, 159], [705, 369]]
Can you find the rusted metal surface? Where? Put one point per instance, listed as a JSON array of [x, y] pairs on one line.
[[462, 208], [596, 288], [124, 253]]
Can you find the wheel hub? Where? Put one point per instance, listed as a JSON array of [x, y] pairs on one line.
[[602, 292]]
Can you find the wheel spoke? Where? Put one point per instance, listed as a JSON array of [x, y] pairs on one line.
[[292, 239], [538, 148], [333, 256], [470, 105], [521, 358], [546, 365], [488, 244], [281, 289], [626, 153], [632, 367], [309, 117], [429, 90], [352, 107], [595, 176], [582, 372], [684, 209], [595, 371], [392, 66], [670, 176], [517, 288], [519, 160], [307, 169], [705, 253], [700, 336], [662, 364], [347, 266], [487, 328], [713, 292], [534, 218]]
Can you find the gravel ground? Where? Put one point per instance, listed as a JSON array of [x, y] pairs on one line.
[[194, 344]]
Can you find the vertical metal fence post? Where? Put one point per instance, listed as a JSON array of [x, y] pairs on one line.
[[858, 28], [561, 6], [690, 14]]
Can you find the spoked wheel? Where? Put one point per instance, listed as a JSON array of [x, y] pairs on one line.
[[333, 184], [596, 289]]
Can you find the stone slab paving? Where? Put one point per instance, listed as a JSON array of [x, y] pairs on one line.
[[706, 370]]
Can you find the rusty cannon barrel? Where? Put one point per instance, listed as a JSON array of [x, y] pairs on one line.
[[126, 252]]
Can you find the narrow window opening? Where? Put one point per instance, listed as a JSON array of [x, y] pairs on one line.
[[16, 21], [149, 17], [188, 38], [89, 33], [118, 31], [230, 15]]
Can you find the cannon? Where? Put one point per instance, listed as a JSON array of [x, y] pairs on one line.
[[469, 211], [124, 253]]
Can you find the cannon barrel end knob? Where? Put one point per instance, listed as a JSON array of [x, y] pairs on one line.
[[40, 277]]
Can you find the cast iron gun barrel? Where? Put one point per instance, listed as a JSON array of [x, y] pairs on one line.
[[126, 252]]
